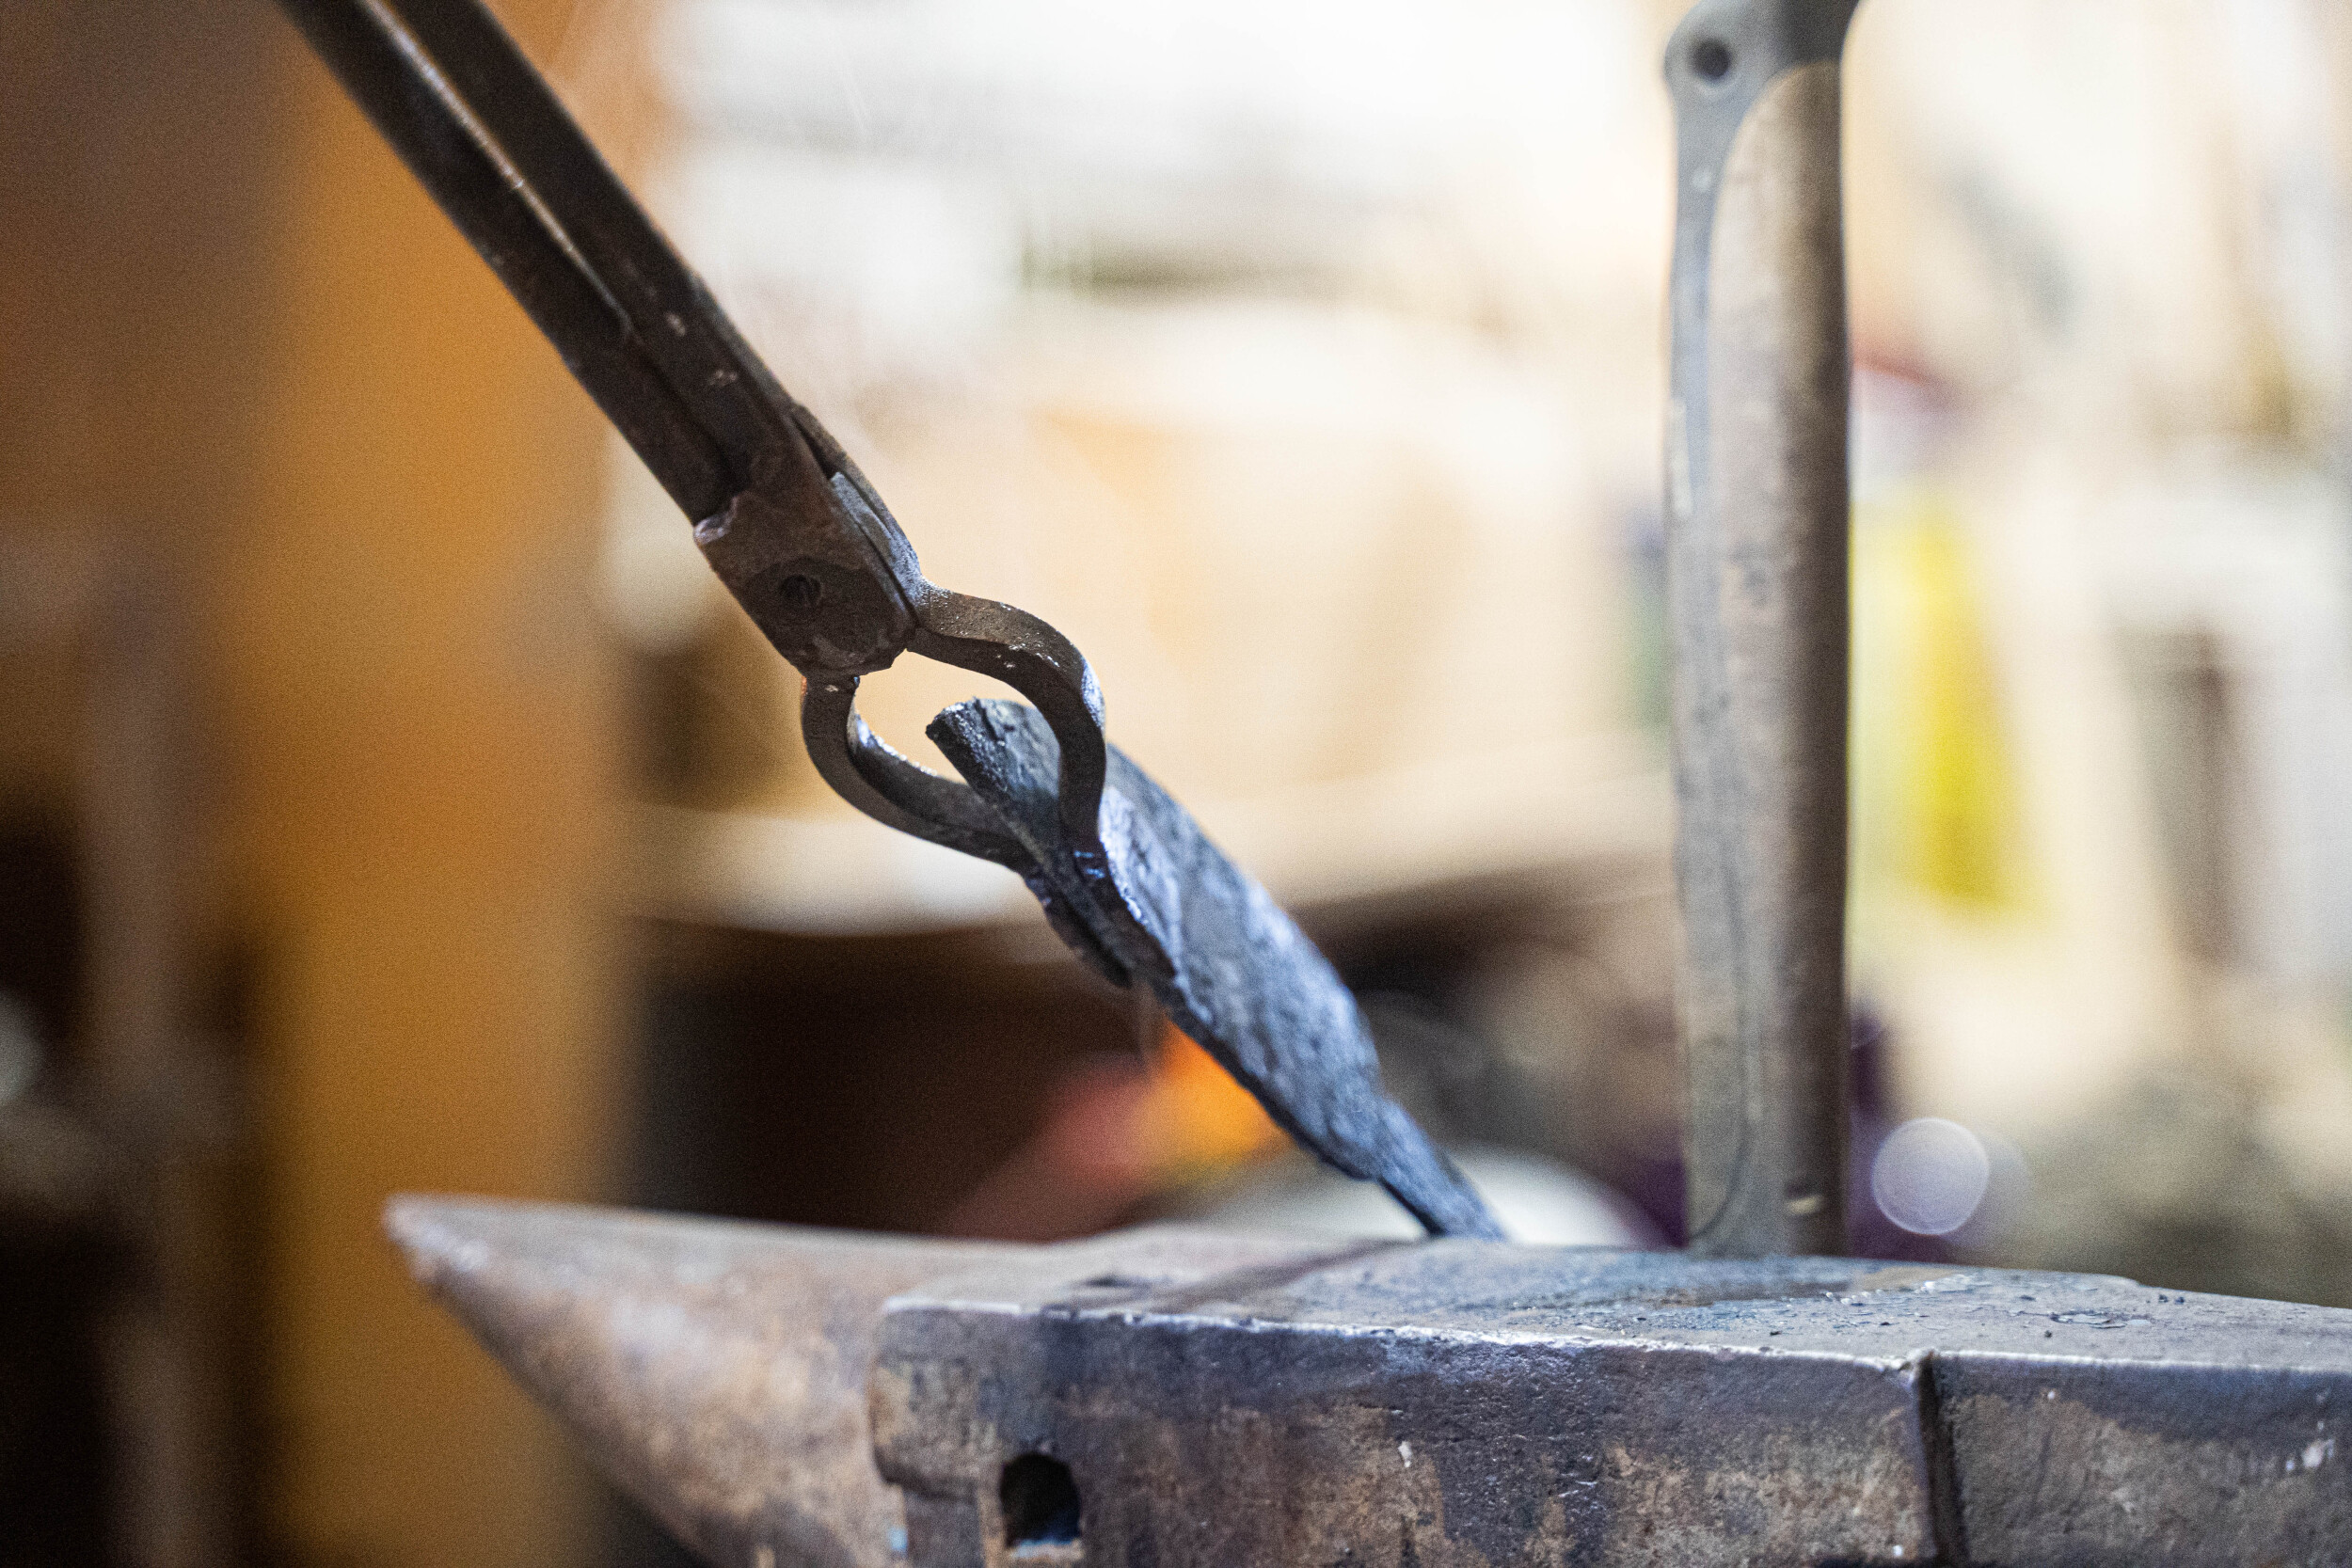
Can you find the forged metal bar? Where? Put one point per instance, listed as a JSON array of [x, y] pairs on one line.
[[1216, 1400], [1221, 958], [1756, 585]]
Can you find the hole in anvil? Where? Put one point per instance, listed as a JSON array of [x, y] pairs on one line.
[[1041, 1502]]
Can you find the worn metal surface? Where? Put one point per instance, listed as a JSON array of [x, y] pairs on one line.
[[1221, 958], [1463, 1403], [1757, 584], [1222, 1400], [715, 1370]]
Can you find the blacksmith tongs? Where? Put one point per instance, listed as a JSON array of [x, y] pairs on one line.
[[813, 556]]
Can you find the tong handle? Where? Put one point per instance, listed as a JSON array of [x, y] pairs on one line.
[[825, 572], [780, 512], [407, 79]]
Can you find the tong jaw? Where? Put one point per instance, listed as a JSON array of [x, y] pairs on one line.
[[824, 571], [814, 558]]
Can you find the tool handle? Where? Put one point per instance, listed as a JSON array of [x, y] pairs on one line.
[[775, 500], [782, 514], [1757, 586], [403, 87]]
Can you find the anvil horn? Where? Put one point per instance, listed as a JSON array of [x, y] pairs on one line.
[[715, 1370]]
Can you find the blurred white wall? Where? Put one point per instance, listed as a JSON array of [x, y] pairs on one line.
[[1298, 361]]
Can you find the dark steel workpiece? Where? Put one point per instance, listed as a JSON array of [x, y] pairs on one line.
[[1215, 1399], [1220, 958], [814, 557], [1756, 587]]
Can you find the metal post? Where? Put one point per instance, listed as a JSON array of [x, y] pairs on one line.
[[1756, 585]]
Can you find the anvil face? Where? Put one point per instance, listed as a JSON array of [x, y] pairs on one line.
[[1175, 1396]]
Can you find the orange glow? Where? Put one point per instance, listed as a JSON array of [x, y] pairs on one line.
[[1195, 1118]]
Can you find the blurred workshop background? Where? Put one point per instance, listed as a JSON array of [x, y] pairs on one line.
[[389, 799]]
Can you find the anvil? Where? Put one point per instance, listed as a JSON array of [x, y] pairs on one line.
[[1178, 1398]]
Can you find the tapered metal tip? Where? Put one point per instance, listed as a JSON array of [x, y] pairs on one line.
[[715, 1370]]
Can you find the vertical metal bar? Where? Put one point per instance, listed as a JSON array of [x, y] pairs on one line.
[[1757, 589]]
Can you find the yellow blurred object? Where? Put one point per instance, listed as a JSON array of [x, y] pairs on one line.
[[1936, 805], [1195, 1121]]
